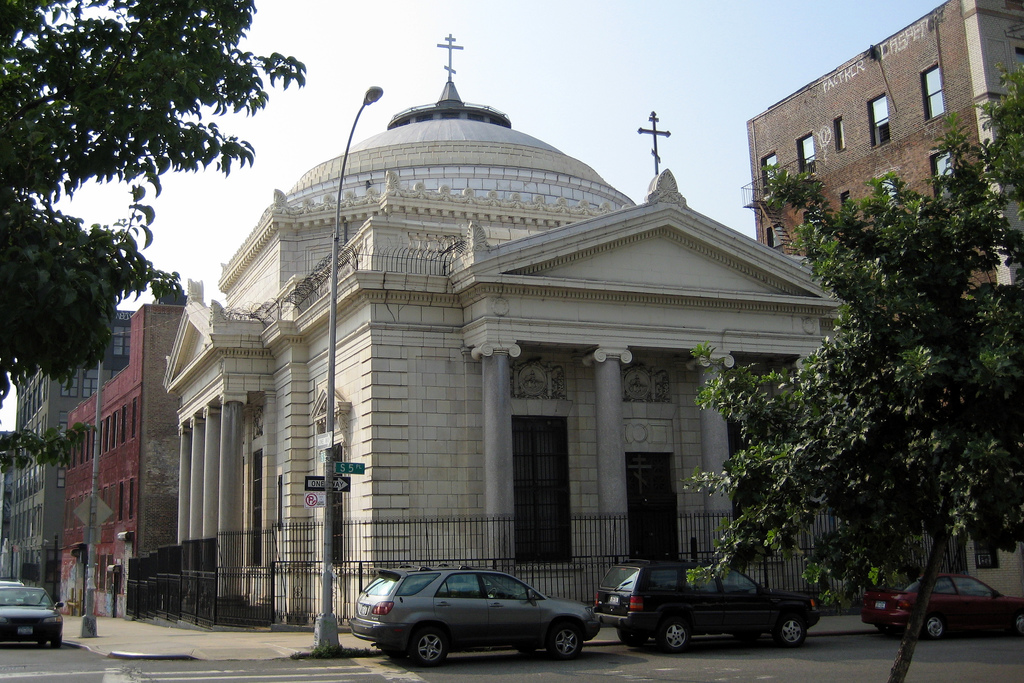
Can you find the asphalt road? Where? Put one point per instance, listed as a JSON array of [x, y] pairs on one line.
[[853, 658]]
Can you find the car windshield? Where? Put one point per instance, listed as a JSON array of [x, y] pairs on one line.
[[620, 578], [24, 597]]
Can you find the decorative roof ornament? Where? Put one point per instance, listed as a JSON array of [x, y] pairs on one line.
[[451, 46], [665, 189], [654, 133]]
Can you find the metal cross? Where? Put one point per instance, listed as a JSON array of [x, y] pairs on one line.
[[653, 130], [450, 47]]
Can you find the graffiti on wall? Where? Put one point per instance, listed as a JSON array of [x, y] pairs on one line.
[[901, 41], [842, 76]]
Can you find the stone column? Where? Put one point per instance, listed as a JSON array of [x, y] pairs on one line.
[[211, 474], [714, 437], [184, 481], [611, 452], [230, 498], [499, 477], [195, 506], [270, 465]]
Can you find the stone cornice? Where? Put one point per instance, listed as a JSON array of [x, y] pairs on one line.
[[705, 299]]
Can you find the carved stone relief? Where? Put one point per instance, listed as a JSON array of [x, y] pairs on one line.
[[535, 379], [643, 384]]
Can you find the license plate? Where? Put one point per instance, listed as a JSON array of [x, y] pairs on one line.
[[613, 599], [879, 604], [24, 630]]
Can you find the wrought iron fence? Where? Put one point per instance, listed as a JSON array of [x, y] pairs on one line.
[[274, 575]]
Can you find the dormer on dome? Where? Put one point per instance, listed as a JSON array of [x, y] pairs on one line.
[[450, 106]]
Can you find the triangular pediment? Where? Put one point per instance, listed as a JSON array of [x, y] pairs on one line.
[[663, 247], [191, 338]]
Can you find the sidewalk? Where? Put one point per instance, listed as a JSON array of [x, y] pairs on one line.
[[124, 639]]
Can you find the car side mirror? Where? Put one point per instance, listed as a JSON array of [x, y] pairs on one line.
[[531, 595], [59, 605], [996, 594]]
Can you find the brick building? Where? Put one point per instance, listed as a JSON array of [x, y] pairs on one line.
[[882, 110], [34, 503], [138, 466]]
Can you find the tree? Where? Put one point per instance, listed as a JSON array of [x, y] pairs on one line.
[[105, 90], [907, 423]]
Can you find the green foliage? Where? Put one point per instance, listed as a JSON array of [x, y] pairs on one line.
[[106, 90], [325, 651], [908, 420]]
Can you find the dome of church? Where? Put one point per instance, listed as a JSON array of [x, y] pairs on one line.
[[468, 148]]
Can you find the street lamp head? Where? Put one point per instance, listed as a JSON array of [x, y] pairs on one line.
[[373, 94]]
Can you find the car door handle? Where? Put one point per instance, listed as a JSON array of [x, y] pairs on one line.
[[442, 604], [496, 604]]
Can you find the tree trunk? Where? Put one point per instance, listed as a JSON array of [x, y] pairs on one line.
[[912, 634]]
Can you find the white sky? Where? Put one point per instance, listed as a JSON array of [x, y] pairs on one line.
[[581, 75]]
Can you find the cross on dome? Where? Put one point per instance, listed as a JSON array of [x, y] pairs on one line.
[[451, 46]]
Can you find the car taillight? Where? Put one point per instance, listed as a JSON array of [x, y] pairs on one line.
[[382, 608], [636, 603], [904, 604], [597, 599]]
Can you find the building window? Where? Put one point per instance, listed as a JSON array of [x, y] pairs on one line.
[[120, 501], [766, 163], [122, 341], [1019, 53], [62, 419], [805, 153], [62, 477], [940, 163], [878, 111], [135, 410], [71, 388], [89, 383], [931, 84], [839, 133], [844, 196], [124, 422], [131, 498], [540, 456]]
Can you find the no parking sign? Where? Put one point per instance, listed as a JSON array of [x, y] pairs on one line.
[[315, 500]]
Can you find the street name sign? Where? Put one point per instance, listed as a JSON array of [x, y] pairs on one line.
[[349, 468]]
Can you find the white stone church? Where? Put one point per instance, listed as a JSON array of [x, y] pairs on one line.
[[513, 353]]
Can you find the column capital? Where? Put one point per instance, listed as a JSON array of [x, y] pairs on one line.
[[210, 410], [704, 362], [512, 350], [603, 353]]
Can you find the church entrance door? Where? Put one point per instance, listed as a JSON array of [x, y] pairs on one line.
[[651, 507]]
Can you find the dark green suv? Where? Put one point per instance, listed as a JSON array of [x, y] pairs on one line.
[[654, 599]]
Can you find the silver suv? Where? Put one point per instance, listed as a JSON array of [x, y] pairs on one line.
[[425, 613]]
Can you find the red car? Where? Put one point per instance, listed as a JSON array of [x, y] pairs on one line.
[[958, 603]]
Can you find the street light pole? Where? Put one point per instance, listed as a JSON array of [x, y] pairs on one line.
[[92, 532], [325, 632]]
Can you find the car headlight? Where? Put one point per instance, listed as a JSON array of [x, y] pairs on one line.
[[53, 620], [3, 620]]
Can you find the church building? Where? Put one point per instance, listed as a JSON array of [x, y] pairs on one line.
[[514, 378]]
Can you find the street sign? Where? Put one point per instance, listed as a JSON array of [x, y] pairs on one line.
[[324, 440], [103, 511], [316, 483], [315, 500], [349, 468]]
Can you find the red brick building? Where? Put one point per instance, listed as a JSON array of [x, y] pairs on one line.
[[138, 467], [883, 109]]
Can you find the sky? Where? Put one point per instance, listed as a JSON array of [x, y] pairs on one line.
[[581, 75]]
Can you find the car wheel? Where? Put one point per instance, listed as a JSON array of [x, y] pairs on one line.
[[790, 631], [56, 642], [630, 638], [934, 627], [565, 640], [673, 635], [428, 647], [394, 654], [1018, 624]]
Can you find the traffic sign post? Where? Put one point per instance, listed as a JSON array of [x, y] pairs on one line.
[[315, 500]]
